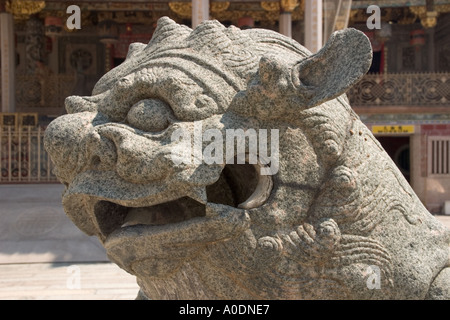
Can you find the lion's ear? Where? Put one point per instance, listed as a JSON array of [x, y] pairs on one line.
[[134, 48], [168, 32], [329, 73]]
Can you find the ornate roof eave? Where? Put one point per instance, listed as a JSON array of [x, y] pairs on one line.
[[259, 10], [406, 14], [363, 4], [23, 9]]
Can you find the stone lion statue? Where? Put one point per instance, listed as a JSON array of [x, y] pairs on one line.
[[309, 206]]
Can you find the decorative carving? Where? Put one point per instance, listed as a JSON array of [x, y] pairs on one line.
[[404, 15], [28, 120], [428, 19], [442, 8], [217, 7], [234, 15], [23, 9], [427, 89], [29, 90], [266, 11], [439, 8], [182, 9], [288, 5], [407, 17], [225, 12], [270, 6], [315, 220], [8, 120], [34, 43], [80, 59]]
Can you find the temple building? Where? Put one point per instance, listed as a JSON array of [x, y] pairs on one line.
[[52, 49]]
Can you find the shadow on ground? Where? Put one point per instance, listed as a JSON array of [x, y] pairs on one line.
[[34, 227]]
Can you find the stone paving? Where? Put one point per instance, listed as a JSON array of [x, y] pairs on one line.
[[66, 281], [44, 256], [34, 228]]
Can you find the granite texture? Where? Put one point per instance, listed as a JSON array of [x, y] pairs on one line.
[[333, 219]]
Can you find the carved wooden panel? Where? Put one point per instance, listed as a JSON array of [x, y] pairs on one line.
[[422, 89]]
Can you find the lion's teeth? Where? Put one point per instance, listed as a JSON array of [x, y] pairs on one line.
[[128, 224], [175, 211], [139, 216], [261, 193]]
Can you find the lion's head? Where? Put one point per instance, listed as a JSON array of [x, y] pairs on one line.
[[227, 163]]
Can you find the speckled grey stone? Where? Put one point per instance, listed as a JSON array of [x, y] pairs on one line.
[[336, 220]]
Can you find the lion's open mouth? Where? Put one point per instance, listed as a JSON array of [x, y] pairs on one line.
[[111, 216], [239, 186]]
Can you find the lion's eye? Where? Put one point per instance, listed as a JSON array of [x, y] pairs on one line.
[[149, 115]]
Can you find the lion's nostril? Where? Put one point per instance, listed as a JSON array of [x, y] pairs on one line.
[[102, 151]]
